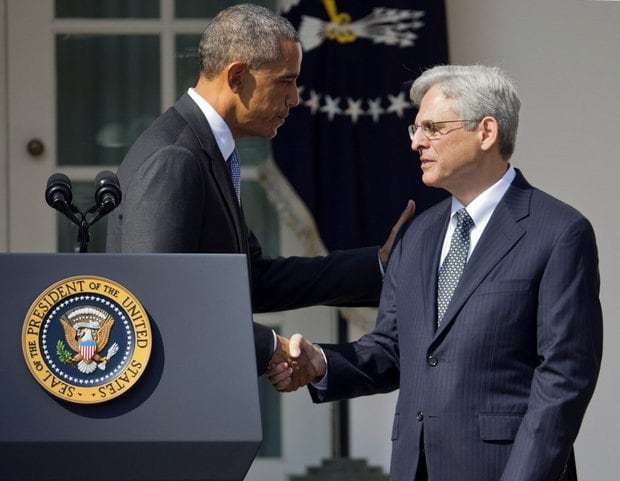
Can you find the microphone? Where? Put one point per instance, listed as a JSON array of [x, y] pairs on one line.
[[108, 193], [108, 196], [58, 195]]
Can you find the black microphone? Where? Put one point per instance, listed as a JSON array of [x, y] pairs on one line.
[[108, 193], [58, 195]]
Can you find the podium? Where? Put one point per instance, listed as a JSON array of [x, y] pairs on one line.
[[194, 412]]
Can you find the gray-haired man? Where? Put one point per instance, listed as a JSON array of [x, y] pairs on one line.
[[181, 179], [489, 322]]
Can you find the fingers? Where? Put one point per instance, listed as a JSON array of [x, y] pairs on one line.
[[294, 364], [285, 386], [279, 373], [280, 376], [406, 214]]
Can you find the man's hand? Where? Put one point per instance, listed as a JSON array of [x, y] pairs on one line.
[[384, 251], [295, 363]]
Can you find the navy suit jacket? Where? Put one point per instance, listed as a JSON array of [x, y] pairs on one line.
[[499, 391], [178, 197]]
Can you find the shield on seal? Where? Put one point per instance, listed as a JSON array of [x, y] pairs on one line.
[[87, 349]]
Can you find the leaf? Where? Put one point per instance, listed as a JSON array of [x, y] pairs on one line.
[[62, 352]]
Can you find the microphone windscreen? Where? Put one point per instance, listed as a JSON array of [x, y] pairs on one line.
[[106, 185], [58, 186]]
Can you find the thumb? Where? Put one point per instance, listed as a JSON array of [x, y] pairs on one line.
[[406, 214], [410, 207], [295, 345]]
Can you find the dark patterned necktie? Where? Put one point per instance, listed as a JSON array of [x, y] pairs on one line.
[[454, 263], [235, 172]]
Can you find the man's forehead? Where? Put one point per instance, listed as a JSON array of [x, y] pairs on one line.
[[434, 102], [289, 62]]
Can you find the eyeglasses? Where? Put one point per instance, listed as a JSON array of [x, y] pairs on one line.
[[434, 130]]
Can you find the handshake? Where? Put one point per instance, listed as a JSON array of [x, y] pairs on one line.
[[295, 363]]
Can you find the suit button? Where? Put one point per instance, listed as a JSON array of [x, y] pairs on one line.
[[420, 416], [432, 360]]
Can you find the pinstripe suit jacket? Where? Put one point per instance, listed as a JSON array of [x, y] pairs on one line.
[[498, 392]]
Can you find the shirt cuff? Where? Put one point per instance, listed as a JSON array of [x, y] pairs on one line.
[[321, 384], [380, 265], [275, 341]]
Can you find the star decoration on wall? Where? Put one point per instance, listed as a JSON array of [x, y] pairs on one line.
[[354, 110], [398, 104], [331, 107], [313, 103], [375, 109], [319, 103]]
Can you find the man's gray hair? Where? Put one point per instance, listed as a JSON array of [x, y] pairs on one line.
[[478, 91], [245, 33]]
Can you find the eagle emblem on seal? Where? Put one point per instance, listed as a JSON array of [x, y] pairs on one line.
[[87, 332]]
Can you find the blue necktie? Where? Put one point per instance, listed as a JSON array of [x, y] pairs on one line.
[[235, 173], [454, 263]]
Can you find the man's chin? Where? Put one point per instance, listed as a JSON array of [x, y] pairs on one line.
[[263, 134], [429, 180]]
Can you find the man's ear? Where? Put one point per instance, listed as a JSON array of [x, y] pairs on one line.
[[489, 133], [235, 76]]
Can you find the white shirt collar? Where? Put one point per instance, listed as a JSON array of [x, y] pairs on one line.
[[481, 208], [221, 131]]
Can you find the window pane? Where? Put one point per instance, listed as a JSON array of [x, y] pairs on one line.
[[252, 151], [83, 198], [108, 92], [187, 62], [206, 9], [261, 217], [107, 8]]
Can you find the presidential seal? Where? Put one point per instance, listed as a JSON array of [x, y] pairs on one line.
[[86, 339]]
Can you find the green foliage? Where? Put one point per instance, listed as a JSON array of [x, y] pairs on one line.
[[64, 355]]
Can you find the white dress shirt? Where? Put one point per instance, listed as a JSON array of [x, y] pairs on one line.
[[221, 131], [480, 210]]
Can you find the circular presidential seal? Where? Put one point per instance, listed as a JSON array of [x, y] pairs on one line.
[[86, 339]]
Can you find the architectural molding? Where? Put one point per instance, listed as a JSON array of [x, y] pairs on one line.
[[4, 126]]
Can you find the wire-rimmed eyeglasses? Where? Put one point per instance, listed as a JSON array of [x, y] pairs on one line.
[[434, 130]]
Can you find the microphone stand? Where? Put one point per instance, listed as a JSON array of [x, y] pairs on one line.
[[84, 225], [84, 235]]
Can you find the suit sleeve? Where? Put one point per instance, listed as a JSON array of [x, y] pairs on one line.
[[162, 204], [369, 365], [263, 345], [569, 340], [344, 278], [161, 213]]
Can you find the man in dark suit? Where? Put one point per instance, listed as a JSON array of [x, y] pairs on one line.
[[181, 179], [489, 322]]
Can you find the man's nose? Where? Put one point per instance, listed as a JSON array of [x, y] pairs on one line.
[[292, 99], [419, 140]]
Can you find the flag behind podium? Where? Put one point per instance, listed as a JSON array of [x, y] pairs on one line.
[[345, 150]]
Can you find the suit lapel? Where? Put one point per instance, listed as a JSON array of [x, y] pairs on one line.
[[499, 237], [196, 120]]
